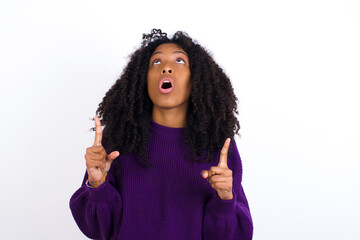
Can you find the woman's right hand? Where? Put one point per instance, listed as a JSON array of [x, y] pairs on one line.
[[97, 161]]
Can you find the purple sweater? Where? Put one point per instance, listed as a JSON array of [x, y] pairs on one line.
[[171, 200]]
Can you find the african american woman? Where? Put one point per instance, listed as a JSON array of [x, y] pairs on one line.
[[166, 165]]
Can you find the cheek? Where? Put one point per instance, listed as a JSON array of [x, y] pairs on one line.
[[150, 85], [150, 79], [186, 88], [189, 82]]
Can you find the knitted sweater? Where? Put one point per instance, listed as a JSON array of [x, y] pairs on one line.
[[170, 200]]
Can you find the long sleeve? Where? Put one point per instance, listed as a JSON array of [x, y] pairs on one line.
[[229, 219], [97, 211], [168, 200]]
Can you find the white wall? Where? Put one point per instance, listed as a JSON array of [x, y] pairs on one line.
[[295, 69]]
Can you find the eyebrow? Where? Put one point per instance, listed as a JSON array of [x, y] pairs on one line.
[[178, 51]]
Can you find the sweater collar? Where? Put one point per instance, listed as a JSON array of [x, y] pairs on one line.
[[166, 131]]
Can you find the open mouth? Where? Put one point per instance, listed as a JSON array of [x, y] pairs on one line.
[[166, 85]]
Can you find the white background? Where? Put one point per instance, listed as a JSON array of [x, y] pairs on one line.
[[295, 68]]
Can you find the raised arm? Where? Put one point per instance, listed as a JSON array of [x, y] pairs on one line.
[[227, 214], [97, 205]]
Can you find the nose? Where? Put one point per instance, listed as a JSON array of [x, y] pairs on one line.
[[166, 69]]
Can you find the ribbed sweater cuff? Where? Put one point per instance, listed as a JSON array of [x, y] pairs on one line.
[[222, 208], [103, 193]]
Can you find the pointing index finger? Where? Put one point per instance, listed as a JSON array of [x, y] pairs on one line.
[[224, 154], [98, 132]]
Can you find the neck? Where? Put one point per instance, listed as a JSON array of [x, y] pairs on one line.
[[175, 118]]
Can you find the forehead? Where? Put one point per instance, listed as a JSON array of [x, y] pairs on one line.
[[168, 47]]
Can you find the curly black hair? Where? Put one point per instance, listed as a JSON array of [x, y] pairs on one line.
[[126, 109]]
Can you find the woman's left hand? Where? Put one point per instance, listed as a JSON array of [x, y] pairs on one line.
[[220, 177]]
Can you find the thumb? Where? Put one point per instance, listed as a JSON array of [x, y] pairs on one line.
[[113, 155], [204, 174]]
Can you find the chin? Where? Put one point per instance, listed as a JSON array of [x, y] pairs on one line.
[[169, 104], [166, 106]]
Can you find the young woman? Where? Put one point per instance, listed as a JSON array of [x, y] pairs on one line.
[[166, 165]]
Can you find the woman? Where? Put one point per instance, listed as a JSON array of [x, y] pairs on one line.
[[169, 121]]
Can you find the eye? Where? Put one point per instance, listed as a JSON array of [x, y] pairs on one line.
[[180, 60], [156, 61]]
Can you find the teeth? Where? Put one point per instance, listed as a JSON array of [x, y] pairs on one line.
[[166, 81]]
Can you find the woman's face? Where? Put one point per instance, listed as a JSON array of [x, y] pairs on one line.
[[168, 78]]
